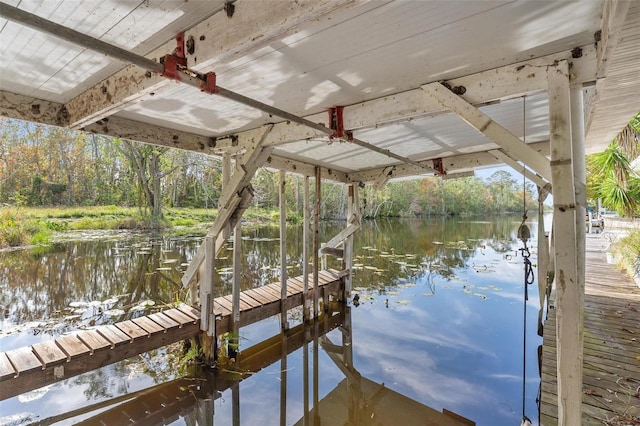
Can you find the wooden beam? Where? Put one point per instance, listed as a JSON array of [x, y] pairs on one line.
[[316, 242], [614, 14], [217, 40], [283, 249], [498, 84], [36, 110], [509, 142], [506, 159], [276, 161], [306, 227], [569, 329], [451, 164]]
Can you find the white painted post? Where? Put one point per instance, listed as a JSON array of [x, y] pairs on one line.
[[580, 176], [207, 317], [316, 244], [237, 273], [569, 328], [347, 260], [305, 250], [283, 250]]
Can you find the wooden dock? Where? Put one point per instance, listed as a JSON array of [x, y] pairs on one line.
[[31, 367], [611, 367], [183, 397]]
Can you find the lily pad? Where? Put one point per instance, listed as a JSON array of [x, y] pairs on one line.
[[403, 302]]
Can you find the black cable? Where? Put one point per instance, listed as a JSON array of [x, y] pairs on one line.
[[528, 280]]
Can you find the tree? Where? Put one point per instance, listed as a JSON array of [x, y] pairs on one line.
[[611, 177]]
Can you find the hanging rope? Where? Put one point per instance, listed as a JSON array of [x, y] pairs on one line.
[[524, 235]]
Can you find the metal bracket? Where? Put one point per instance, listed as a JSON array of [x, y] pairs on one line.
[[175, 62], [336, 123], [438, 166], [208, 85]]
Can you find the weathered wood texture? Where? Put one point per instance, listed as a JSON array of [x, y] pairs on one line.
[[611, 369], [165, 403], [28, 368]]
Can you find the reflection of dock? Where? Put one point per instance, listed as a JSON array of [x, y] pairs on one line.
[[379, 405], [611, 372], [31, 367], [355, 400]]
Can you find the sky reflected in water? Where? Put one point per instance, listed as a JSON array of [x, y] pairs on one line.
[[439, 324]]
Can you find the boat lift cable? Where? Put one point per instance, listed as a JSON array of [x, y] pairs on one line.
[[205, 82], [524, 234]]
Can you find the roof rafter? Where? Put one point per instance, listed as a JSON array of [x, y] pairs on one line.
[[498, 84], [249, 29]]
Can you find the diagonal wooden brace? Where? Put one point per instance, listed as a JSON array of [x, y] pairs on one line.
[[510, 143]]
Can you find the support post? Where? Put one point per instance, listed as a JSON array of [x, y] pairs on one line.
[[283, 250], [316, 244], [235, 290], [347, 260], [569, 328], [305, 250], [207, 317], [283, 381], [580, 176], [235, 401]]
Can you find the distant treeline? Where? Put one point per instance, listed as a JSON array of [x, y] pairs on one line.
[[51, 166]]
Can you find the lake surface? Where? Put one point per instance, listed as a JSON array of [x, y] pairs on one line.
[[439, 325]]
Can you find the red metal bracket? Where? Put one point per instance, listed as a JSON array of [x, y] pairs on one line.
[[209, 84], [438, 166], [336, 123], [173, 62]]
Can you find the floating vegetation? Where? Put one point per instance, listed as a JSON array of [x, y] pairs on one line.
[[406, 285], [403, 302], [143, 305], [168, 261], [393, 293], [438, 243], [428, 294], [164, 268], [114, 312]]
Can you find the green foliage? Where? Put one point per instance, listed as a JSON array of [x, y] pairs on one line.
[[609, 173], [628, 249], [16, 230]]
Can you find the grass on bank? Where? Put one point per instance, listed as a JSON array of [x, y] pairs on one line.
[[628, 250], [21, 226]]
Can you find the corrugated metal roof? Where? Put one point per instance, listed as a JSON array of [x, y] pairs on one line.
[[352, 52]]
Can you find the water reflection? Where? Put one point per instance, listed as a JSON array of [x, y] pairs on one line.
[[354, 399], [438, 323]]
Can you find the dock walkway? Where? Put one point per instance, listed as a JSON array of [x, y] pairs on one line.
[[611, 367], [31, 367]]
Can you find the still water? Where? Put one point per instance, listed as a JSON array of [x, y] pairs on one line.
[[439, 326]]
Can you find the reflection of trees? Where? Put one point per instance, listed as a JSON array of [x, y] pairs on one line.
[[40, 286]]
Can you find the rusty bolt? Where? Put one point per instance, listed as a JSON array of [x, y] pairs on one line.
[[191, 45], [35, 108]]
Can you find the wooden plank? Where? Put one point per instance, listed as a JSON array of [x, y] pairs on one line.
[[294, 284], [220, 310], [149, 325], [244, 306], [114, 335], [83, 362], [24, 360], [131, 329], [249, 301], [267, 296], [49, 353], [189, 311], [72, 346], [179, 317], [93, 340], [6, 369], [257, 296], [225, 303], [273, 290], [164, 321]]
